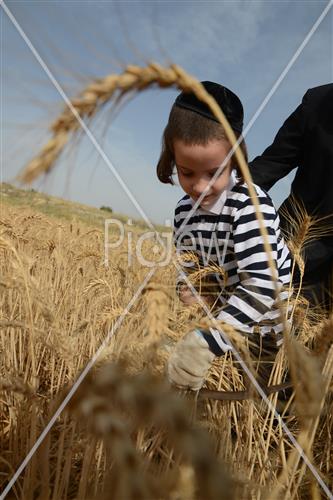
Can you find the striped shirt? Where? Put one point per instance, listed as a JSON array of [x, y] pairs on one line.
[[228, 235]]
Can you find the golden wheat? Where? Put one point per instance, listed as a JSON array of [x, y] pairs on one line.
[[128, 435], [71, 313]]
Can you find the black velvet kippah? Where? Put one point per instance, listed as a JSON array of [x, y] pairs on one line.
[[225, 98]]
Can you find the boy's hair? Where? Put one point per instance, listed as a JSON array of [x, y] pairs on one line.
[[191, 128]]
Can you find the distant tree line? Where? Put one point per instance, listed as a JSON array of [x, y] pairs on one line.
[[107, 209]]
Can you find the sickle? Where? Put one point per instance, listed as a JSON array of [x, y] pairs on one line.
[[241, 395]]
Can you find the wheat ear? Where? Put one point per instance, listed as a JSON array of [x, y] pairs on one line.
[[135, 79]]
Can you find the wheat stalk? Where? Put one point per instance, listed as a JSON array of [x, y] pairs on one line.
[[85, 106], [68, 332], [135, 79]]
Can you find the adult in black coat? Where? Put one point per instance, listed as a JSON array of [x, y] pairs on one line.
[[305, 142]]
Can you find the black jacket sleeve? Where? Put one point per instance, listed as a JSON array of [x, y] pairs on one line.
[[286, 151]]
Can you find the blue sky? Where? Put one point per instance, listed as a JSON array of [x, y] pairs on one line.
[[244, 45]]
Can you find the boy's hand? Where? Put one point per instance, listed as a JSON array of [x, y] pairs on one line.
[[190, 362], [188, 298]]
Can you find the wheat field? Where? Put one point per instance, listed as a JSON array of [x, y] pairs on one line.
[[125, 433]]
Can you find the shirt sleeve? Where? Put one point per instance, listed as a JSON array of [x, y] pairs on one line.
[[255, 293], [286, 151]]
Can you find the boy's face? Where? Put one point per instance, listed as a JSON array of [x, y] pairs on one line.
[[197, 164]]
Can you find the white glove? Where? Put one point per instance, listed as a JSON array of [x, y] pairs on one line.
[[190, 362]]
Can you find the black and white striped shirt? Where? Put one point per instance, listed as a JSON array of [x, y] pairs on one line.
[[228, 234]]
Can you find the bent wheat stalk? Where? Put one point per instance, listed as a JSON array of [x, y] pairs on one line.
[[132, 80]]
